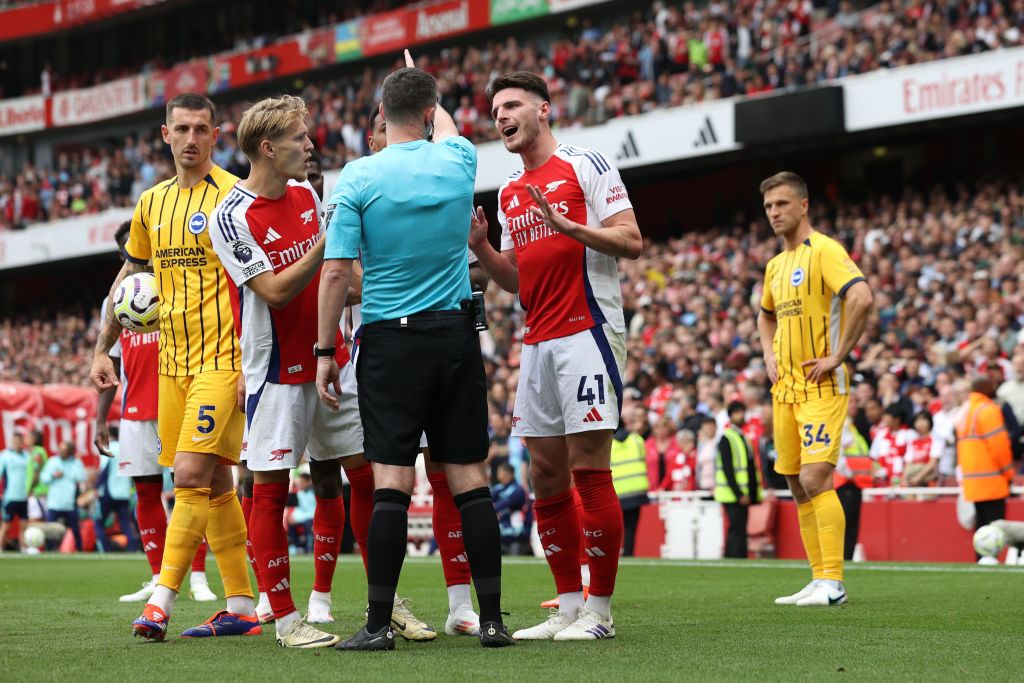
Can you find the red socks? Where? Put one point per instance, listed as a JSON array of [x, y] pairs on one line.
[[584, 558], [271, 544], [602, 527], [152, 520], [561, 536], [328, 525], [247, 512], [448, 532], [199, 561], [360, 506]]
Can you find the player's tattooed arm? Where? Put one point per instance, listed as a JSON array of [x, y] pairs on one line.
[[111, 329]]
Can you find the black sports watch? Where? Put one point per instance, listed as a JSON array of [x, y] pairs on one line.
[[323, 353]]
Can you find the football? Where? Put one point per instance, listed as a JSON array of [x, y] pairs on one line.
[[34, 537], [137, 304], [989, 540]]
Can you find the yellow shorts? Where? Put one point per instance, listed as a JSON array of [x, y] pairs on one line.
[[808, 432], [198, 414]]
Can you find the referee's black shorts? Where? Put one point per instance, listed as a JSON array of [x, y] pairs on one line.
[[425, 374]]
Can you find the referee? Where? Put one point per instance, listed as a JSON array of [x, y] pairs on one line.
[[405, 211]]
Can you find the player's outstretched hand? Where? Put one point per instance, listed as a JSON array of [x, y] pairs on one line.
[[820, 367], [102, 373], [553, 219], [102, 438], [327, 375], [409, 62], [477, 228]]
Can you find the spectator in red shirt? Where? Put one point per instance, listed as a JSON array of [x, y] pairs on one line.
[[661, 449], [681, 470]]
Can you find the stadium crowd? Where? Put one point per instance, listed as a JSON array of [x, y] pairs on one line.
[[669, 55], [948, 305]]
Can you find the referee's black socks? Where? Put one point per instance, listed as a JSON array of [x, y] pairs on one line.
[[482, 539], [385, 552]]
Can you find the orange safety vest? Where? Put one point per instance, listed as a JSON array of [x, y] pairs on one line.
[[983, 450]]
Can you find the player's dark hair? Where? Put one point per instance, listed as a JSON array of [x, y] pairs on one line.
[[735, 407], [374, 114], [527, 80], [785, 178], [406, 94], [121, 236], [193, 102]]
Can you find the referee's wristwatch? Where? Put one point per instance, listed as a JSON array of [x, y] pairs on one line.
[[323, 353]]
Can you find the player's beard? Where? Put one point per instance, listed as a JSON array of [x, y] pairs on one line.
[[524, 137]]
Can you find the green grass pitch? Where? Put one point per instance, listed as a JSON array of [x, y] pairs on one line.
[[675, 620]]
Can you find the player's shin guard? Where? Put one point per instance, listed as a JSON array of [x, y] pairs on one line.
[[226, 534], [448, 532], [271, 544], [810, 537], [152, 521], [389, 529], [831, 532], [360, 506], [561, 536], [199, 561], [482, 537], [185, 532], [328, 523], [249, 551], [602, 527]]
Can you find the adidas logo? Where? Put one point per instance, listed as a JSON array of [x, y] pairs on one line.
[[705, 134], [629, 149], [272, 236], [327, 557], [595, 552], [461, 557], [512, 204], [551, 550], [598, 631], [149, 546], [593, 416], [281, 586]]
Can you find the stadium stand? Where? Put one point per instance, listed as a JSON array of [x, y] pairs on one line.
[[666, 56]]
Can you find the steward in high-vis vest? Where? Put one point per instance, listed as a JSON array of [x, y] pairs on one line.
[[984, 453], [737, 480], [854, 472], [629, 476]]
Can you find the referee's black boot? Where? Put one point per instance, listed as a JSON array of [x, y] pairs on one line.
[[494, 634], [383, 639]]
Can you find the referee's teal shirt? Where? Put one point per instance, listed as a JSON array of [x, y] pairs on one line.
[[405, 212]]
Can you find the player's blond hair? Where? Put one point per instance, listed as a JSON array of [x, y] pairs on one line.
[[785, 178], [268, 119]]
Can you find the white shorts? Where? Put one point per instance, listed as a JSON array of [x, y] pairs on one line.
[[290, 419], [570, 384], [139, 449]]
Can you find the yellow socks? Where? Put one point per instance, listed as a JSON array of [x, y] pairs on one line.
[[809, 534], [831, 533], [226, 534], [185, 531]]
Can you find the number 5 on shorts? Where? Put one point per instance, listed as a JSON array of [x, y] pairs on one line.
[[205, 417]]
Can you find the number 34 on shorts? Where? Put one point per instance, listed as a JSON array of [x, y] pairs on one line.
[[808, 432]]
